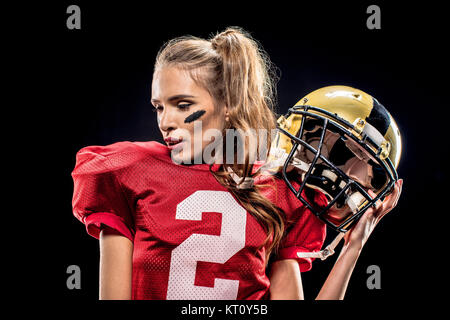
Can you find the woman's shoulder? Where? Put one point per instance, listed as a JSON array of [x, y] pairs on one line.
[[118, 155]]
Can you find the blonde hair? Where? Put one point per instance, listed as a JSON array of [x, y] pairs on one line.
[[237, 73]]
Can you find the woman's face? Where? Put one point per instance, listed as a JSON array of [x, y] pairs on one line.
[[185, 111]]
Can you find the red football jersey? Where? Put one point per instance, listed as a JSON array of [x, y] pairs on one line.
[[192, 239]]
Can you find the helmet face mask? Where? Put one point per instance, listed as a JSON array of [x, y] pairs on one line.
[[332, 159]]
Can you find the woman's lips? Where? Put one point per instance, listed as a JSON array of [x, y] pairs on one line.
[[176, 146], [173, 143]]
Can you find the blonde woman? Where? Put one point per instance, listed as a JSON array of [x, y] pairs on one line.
[[175, 225]]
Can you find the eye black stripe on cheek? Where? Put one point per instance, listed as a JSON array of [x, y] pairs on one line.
[[194, 116]]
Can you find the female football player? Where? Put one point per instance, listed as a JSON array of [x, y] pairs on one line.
[[195, 218]]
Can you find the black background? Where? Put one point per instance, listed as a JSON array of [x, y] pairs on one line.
[[92, 86]]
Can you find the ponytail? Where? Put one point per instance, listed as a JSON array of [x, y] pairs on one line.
[[249, 92]]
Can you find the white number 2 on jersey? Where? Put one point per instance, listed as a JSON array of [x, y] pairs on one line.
[[209, 248]]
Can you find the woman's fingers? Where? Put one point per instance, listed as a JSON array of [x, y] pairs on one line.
[[392, 199], [399, 190], [390, 202], [368, 221]]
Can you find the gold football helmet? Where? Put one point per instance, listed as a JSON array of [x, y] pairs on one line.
[[342, 142]]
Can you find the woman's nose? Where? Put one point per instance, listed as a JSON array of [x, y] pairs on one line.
[[166, 121]]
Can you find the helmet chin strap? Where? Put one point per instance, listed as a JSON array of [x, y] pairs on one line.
[[325, 253]]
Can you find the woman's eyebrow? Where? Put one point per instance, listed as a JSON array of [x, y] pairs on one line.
[[179, 97], [175, 98]]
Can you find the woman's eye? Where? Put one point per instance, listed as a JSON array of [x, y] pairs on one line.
[[184, 105], [181, 106]]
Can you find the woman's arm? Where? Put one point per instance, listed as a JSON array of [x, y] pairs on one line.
[[336, 284], [116, 253], [285, 280], [337, 281]]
